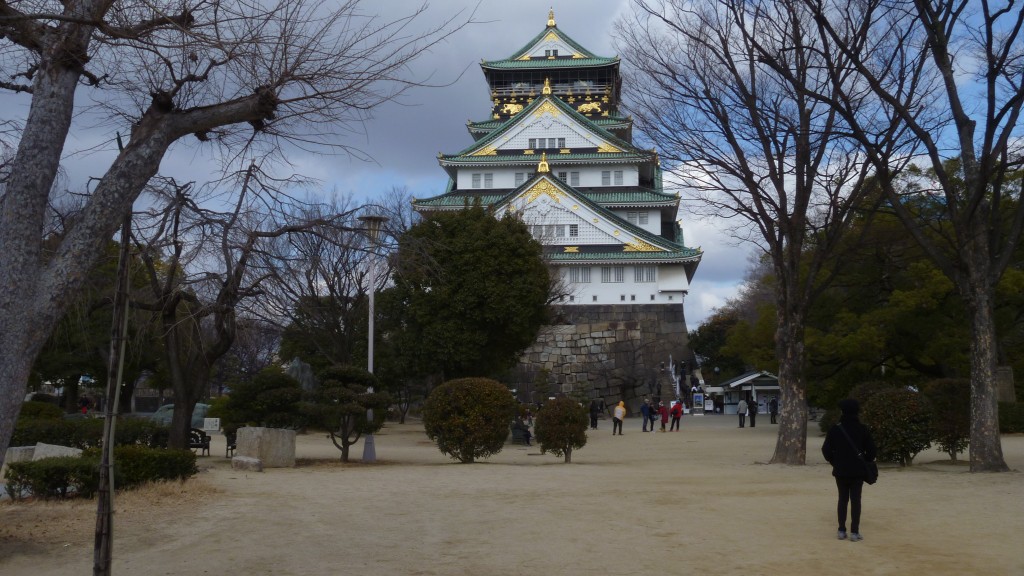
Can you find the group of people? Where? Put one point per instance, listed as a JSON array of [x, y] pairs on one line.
[[745, 408]]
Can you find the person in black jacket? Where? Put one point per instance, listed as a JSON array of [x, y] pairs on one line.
[[847, 466]]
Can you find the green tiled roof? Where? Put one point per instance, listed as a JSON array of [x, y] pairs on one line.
[[630, 196], [458, 159], [684, 254], [561, 35], [548, 63], [487, 125], [566, 109]]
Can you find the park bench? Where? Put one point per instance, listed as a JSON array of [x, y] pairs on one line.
[[230, 441], [199, 440]]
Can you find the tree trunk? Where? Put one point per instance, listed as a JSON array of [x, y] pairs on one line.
[[791, 442], [986, 451], [568, 455]]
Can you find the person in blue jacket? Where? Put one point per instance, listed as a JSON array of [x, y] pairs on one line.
[[844, 445]]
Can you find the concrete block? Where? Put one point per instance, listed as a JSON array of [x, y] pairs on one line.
[[16, 454], [52, 451], [246, 463], [275, 447]]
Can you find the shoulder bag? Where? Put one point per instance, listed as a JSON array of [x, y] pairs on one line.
[[870, 468]]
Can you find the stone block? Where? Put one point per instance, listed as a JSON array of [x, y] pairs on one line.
[[1005, 392], [246, 462], [53, 451], [16, 454], [274, 447]]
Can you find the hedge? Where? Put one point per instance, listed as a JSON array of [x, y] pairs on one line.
[[87, 433], [69, 476], [1011, 417]]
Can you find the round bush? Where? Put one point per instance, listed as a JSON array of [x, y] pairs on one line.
[[950, 399], [900, 422], [469, 417], [561, 427]]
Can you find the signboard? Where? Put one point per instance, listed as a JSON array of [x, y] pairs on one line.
[[211, 424], [698, 404], [709, 405]]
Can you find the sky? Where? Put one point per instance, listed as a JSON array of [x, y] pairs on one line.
[[403, 138]]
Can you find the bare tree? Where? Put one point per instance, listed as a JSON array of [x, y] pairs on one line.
[[243, 78], [751, 145], [202, 265], [950, 73]]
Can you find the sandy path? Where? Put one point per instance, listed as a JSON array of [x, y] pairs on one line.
[[689, 502]]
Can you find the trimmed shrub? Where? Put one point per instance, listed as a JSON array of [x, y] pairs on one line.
[[561, 427], [87, 433], [340, 403], [69, 476], [270, 399], [34, 410], [900, 423], [80, 433], [861, 393], [950, 400], [469, 417], [1011, 417], [53, 477], [137, 465]]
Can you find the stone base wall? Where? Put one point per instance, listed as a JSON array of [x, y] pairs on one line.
[[603, 351]]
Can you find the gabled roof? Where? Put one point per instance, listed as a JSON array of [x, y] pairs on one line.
[[483, 150], [763, 376], [638, 243], [619, 197], [581, 57]]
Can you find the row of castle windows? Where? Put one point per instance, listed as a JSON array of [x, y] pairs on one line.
[[622, 298], [555, 230], [608, 178], [613, 274]]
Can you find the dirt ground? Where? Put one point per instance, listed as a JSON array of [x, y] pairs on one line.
[[697, 501]]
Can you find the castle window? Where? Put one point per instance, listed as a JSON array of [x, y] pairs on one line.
[[574, 178], [652, 297], [644, 273], [572, 298], [579, 274], [618, 177], [632, 297], [594, 298], [563, 176], [606, 178], [520, 178], [489, 180], [561, 142], [533, 143], [612, 274], [574, 230], [476, 180]]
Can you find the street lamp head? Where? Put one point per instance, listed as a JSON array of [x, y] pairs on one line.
[[373, 224]]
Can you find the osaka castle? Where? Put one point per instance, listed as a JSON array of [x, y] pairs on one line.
[[557, 153]]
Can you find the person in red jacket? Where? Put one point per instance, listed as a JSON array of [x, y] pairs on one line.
[[677, 413], [663, 412]]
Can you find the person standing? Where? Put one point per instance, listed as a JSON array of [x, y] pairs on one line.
[[677, 413], [663, 412], [753, 411], [741, 411], [618, 415], [595, 411], [847, 446], [652, 416], [773, 408], [645, 413]]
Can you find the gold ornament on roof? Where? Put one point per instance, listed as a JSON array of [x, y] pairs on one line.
[[486, 151], [543, 166], [547, 87], [606, 147], [638, 245], [546, 108], [543, 187], [551, 18], [572, 249]]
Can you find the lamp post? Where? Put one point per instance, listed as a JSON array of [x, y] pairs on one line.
[[373, 224]]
